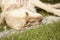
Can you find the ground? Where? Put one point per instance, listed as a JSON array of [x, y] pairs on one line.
[[39, 32]]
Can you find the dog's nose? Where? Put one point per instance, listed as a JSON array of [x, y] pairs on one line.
[[40, 18]]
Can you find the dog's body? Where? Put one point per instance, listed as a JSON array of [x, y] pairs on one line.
[[20, 13], [18, 18]]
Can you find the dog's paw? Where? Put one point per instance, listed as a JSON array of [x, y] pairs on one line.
[[57, 13]]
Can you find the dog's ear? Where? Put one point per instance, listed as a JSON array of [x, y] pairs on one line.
[[27, 14]]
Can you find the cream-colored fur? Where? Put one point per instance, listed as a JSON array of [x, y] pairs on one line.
[[29, 5], [18, 18], [19, 14], [55, 5]]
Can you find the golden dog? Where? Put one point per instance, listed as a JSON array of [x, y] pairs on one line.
[[21, 13]]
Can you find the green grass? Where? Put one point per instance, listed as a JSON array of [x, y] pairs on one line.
[[1, 28], [44, 32]]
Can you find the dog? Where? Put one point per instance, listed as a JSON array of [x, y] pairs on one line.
[[24, 17], [21, 13]]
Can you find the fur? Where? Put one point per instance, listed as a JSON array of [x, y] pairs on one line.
[[19, 14]]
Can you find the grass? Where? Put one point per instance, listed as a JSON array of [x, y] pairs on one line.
[[44, 32]]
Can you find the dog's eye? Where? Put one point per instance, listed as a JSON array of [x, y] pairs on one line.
[[26, 13]]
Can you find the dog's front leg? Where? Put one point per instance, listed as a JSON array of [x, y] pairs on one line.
[[43, 6], [46, 7], [55, 5]]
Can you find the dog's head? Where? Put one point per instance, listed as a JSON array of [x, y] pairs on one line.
[[33, 18]]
